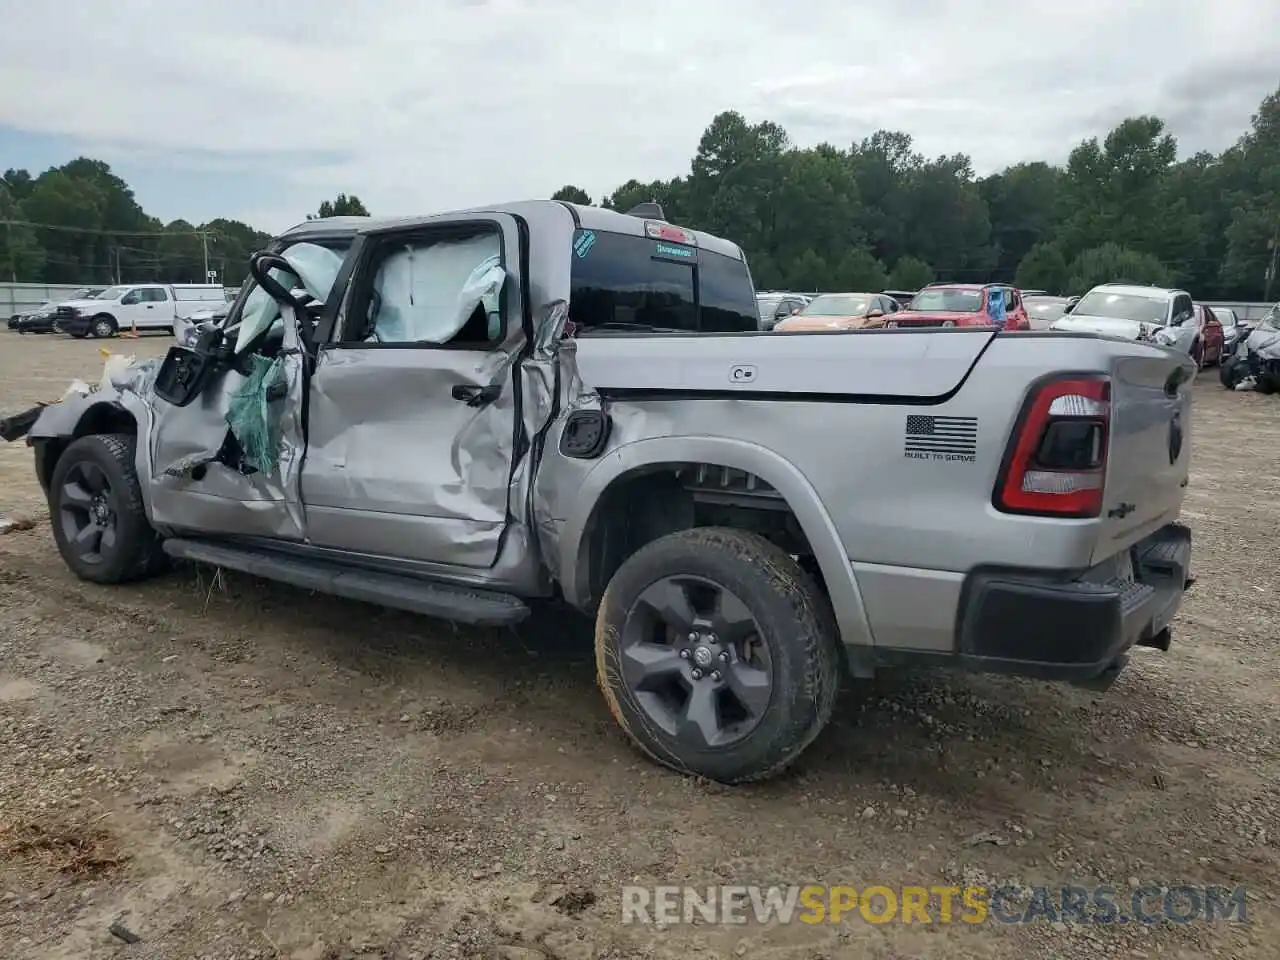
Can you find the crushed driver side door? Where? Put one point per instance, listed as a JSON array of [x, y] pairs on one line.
[[202, 481], [414, 411]]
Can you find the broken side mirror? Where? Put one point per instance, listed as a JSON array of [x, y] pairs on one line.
[[183, 374]]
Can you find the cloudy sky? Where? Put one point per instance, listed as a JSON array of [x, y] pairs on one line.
[[259, 110]]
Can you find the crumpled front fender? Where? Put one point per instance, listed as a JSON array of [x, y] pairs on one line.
[[106, 410]]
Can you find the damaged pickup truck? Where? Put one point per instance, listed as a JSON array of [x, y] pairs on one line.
[[463, 414]]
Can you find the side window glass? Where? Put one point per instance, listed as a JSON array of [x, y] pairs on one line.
[[439, 291], [1182, 308]]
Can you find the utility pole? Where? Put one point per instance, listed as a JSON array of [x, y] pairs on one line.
[[8, 234], [204, 243], [1274, 266]]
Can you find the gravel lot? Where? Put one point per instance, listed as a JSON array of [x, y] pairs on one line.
[[232, 769]]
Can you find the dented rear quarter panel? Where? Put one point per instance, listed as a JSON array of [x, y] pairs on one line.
[[824, 420]]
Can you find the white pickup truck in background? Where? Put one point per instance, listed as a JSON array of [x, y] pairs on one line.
[[135, 306]]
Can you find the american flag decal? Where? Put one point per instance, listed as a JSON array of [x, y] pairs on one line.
[[941, 438]]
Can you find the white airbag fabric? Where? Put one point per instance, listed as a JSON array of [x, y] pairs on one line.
[[316, 267], [428, 293]]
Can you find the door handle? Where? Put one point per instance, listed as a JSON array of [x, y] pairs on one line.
[[474, 395]]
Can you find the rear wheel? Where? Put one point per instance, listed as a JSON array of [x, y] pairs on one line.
[[891, 324], [717, 654], [95, 504], [948, 323]]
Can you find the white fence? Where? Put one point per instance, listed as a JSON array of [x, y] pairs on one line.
[[25, 297], [1244, 311]]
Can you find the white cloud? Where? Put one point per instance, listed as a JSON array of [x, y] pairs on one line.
[[421, 106]]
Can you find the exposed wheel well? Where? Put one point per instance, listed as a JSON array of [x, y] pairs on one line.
[[650, 502], [100, 418]]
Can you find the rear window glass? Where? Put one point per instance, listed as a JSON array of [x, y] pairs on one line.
[[620, 281]]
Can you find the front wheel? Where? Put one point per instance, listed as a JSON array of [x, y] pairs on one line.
[[891, 324], [948, 323], [717, 654], [103, 326], [1229, 373], [95, 504]]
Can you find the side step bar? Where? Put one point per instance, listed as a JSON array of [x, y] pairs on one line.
[[484, 608]]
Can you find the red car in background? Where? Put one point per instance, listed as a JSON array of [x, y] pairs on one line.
[[964, 305]]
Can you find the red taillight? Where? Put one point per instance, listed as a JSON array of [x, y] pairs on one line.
[[1057, 459]]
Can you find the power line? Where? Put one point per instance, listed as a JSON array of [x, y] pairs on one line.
[[101, 231]]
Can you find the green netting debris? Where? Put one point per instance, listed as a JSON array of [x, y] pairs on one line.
[[250, 417]]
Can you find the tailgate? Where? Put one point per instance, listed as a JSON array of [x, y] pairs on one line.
[[1149, 457]]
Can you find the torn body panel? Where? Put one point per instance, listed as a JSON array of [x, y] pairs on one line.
[[193, 488]]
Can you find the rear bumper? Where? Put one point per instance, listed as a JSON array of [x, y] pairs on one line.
[[1078, 630]]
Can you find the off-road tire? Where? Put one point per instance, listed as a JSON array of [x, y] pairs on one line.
[[103, 326], [796, 623], [137, 553], [1229, 373]]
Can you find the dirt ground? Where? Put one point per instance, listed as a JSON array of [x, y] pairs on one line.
[[232, 769]]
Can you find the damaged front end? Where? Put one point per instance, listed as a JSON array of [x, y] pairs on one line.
[[115, 404], [218, 422]]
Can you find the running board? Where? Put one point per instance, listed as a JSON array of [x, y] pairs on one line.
[[483, 608]]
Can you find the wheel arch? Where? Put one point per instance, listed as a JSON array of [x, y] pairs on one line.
[[115, 323], [102, 416], [652, 461]]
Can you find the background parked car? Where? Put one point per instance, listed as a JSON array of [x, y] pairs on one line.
[[964, 305], [1131, 311], [42, 319], [778, 306], [146, 306], [1201, 336], [187, 329], [841, 311], [1043, 310]]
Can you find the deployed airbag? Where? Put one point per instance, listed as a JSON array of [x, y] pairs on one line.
[[427, 293], [316, 267]]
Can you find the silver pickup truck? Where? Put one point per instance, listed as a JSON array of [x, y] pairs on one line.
[[465, 414]]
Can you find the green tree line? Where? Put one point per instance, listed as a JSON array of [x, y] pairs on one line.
[[875, 215], [80, 223], [879, 215]]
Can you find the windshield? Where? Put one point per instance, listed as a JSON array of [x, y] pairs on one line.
[[112, 293], [1045, 309], [838, 305], [1123, 306], [1272, 320], [947, 300], [768, 306]]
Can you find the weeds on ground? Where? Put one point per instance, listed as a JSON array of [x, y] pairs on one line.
[[79, 851]]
